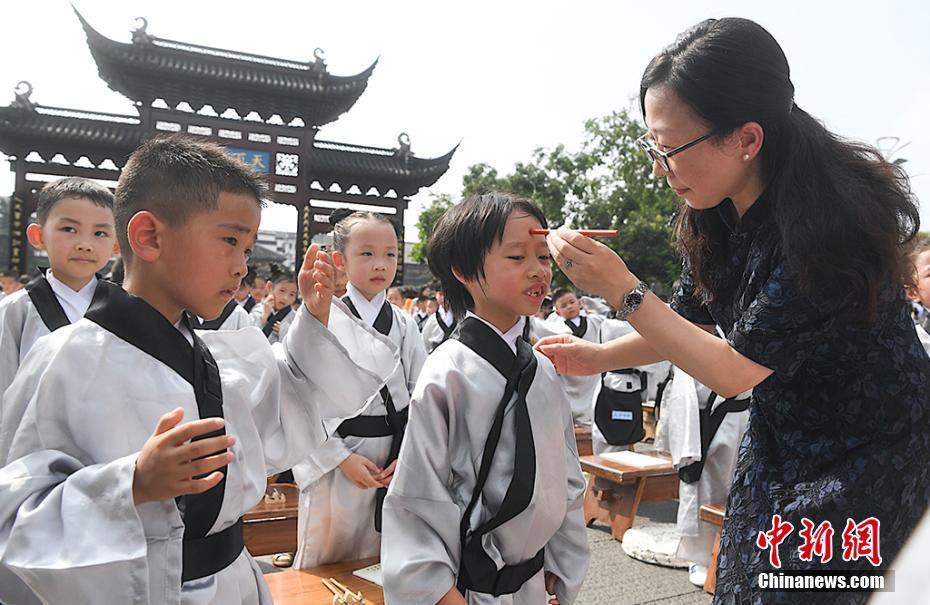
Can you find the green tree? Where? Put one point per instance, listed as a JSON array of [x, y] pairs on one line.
[[427, 221], [607, 183]]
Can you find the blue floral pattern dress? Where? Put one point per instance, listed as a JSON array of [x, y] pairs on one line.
[[840, 430]]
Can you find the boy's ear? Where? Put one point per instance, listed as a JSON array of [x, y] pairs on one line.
[[458, 275], [34, 235], [145, 232]]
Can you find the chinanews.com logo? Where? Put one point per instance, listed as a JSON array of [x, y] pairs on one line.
[[858, 541]]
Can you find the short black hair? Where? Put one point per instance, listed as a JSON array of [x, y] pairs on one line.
[[464, 234], [281, 276], [71, 187], [559, 293], [174, 177]]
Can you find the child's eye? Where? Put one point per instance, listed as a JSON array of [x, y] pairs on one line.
[[366, 253], [231, 241], [544, 257], [69, 229], [392, 254], [248, 253], [515, 257], [102, 234]]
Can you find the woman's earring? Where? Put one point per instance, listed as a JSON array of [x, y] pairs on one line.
[[746, 156]]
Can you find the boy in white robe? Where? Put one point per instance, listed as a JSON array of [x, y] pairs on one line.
[[486, 503], [344, 481], [75, 228], [275, 313], [95, 507], [440, 325], [580, 390]]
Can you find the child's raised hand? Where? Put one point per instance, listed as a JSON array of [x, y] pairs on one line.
[[361, 471], [276, 328], [267, 306], [170, 461], [316, 282]]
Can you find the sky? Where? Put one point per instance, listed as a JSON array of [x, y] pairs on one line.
[[501, 77]]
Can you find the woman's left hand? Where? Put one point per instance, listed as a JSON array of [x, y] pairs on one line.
[[591, 265]]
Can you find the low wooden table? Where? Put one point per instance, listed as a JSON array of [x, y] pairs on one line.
[[270, 528], [616, 506], [714, 514], [583, 439], [305, 586]]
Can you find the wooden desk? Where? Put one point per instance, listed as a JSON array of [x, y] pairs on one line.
[[583, 439], [616, 506], [305, 587], [713, 514], [270, 528]]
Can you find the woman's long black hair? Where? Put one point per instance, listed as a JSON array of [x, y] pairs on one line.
[[845, 215]]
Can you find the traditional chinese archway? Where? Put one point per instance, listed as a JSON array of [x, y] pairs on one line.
[[265, 110]]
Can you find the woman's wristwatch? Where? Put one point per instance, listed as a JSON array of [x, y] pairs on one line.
[[632, 300]]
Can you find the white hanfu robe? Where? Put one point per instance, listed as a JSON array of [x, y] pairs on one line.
[[680, 434], [451, 413], [611, 329], [22, 322], [256, 318], [235, 319], [924, 338], [68, 527], [433, 333], [580, 390], [336, 518]]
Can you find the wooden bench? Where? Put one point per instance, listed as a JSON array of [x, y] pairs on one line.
[[305, 586], [616, 506], [583, 439], [271, 527], [713, 513]]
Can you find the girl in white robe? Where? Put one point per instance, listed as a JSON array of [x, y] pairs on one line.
[[485, 506], [339, 518]]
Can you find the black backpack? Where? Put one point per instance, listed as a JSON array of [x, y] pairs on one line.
[[619, 413]]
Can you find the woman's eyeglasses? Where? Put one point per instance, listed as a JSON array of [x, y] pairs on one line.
[[649, 146]]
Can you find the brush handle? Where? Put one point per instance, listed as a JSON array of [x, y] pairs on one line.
[[587, 232]]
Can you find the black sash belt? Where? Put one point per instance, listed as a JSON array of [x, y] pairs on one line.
[[392, 425], [477, 571], [249, 304], [133, 320], [710, 424], [206, 556]]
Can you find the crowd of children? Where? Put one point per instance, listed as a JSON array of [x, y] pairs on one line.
[[139, 422]]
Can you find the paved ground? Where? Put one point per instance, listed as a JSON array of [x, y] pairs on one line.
[[616, 579]]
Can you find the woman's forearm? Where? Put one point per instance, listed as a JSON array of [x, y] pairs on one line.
[[629, 351], [709, 359]]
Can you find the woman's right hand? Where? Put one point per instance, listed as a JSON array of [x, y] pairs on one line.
[[573, 356]]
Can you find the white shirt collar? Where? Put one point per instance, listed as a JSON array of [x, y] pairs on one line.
[[74, 304], [446, 315], [368, 309], [510, 336]]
